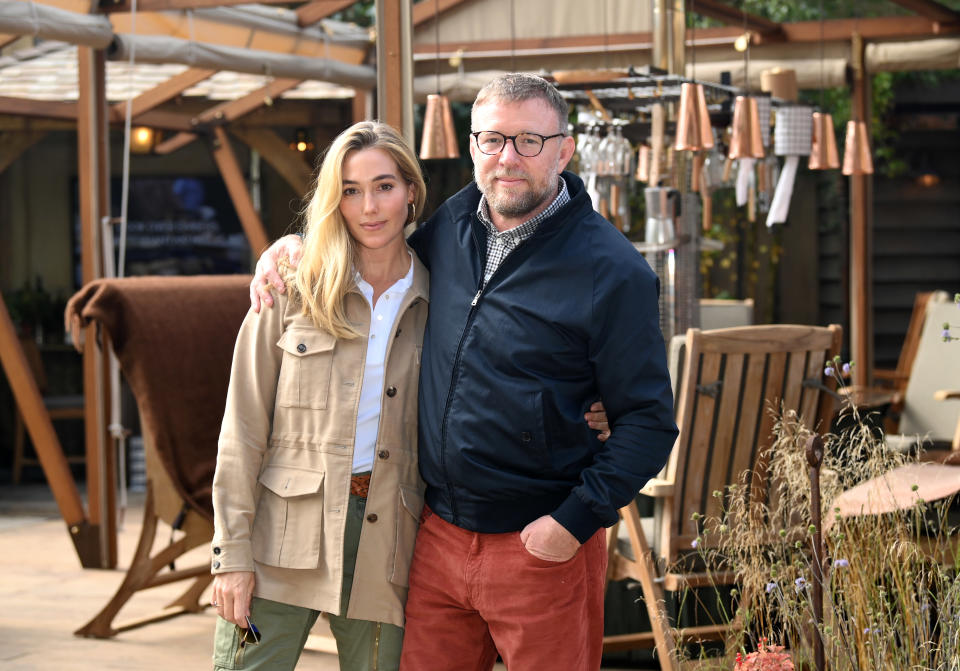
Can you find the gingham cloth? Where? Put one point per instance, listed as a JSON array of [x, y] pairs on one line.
[[763, 109], [793, 134], [499, 245]]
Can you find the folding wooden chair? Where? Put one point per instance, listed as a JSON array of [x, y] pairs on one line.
[[174, 339], [731, 380], [898, 377]]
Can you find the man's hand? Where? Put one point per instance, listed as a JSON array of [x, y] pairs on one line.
[[267, 275], [231, 595], [546, 539], [597, 420]]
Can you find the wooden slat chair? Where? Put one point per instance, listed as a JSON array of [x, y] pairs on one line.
[[935, 369], [731, 379], [897, 378], [174, 339]]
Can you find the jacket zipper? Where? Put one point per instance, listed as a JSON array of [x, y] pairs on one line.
[[456, 361]]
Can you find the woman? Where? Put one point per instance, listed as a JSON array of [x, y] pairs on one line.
[[317, 493]]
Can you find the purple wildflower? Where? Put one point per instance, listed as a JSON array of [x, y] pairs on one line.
[[846, 369], [694, 543], [828, 371], [771, 586], [800, 584], [841, 563]]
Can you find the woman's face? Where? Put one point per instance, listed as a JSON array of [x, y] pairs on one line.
[[376, 200]]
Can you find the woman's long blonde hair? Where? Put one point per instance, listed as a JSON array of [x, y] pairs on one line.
[[326, 270]]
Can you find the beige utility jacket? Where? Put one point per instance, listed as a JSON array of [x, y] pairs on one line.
[[285, 457]]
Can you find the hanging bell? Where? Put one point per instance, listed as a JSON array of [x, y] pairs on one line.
[[856, 150], [439, 137], [823, 152], [693, 120], [643, 163], [745, 138]]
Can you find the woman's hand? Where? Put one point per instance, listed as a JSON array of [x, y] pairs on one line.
[[267, 275], [597, 420], [231, 595]]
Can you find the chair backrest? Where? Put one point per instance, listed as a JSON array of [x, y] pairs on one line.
[[731, 381], [935, 367], [174, 339], [915, 329]]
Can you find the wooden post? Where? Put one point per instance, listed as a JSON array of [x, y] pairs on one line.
[[814, 460], [395, 66], [237, 188], [37, 420], [93, 180], [861, 234]]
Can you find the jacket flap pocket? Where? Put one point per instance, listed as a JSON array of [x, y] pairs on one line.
[[290, 482], [412, 500], [301, 342]]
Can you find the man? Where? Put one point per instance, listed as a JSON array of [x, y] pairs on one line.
[[537, 307]]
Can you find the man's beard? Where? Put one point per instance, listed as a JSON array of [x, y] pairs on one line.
[[513, 205]]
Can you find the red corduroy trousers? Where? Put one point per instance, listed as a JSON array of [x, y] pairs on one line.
[[473, 595]]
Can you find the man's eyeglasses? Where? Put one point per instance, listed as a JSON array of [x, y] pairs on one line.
[[491, 142]]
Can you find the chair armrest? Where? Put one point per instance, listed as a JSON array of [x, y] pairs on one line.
[[658, 488], [946, 394]]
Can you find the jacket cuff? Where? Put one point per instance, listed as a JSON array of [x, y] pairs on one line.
[[230, 556], [577, 518]]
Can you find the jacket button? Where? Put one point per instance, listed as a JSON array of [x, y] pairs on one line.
[[216, 564], [301, 348], [391, 391], [372, 517], [525, 437], [216, 551], [384, 454]]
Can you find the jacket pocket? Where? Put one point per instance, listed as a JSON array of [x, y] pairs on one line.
[[409, 507], [305, 370], [288, 525]]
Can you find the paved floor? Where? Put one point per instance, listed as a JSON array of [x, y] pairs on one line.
[[45, 595]]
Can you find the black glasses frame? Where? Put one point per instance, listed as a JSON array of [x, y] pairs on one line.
[[513, 138]]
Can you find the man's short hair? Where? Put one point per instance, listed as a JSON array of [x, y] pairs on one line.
[[519, 86]]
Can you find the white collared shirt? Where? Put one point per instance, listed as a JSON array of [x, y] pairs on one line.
[[382, 326]]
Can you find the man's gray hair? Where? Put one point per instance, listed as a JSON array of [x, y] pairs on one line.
[[517, 87]]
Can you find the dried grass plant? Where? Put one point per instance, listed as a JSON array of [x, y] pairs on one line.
[[890, 601]]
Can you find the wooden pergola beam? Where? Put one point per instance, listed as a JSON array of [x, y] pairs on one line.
[[51, 109], [12, 145], [161, 93], [232, 175], [835, 30], [934, 11], [289, 164], [427, 9], [229, 111], [118, 6], [312, 12], [734, 17]]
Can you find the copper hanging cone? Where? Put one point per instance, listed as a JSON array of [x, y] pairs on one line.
[[439, 138], [745, 139], [856, 150], [693, 120], [823, 152], [643, 163]]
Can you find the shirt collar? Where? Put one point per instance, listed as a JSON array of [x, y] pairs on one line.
[[527, 228]]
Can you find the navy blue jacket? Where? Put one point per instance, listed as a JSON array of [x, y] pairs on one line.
[[570, 317]]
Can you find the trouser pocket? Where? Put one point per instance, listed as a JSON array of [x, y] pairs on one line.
[[227, 652]]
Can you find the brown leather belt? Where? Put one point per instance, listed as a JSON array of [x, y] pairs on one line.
[[360, 485]]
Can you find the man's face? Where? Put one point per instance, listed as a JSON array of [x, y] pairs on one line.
[[519, 187]]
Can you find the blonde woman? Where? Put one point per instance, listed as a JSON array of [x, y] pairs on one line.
[[317, 492]]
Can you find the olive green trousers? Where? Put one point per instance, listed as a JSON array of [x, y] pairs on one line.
[[361, 645]]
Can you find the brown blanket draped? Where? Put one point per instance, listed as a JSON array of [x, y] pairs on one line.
[[174, 338]]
